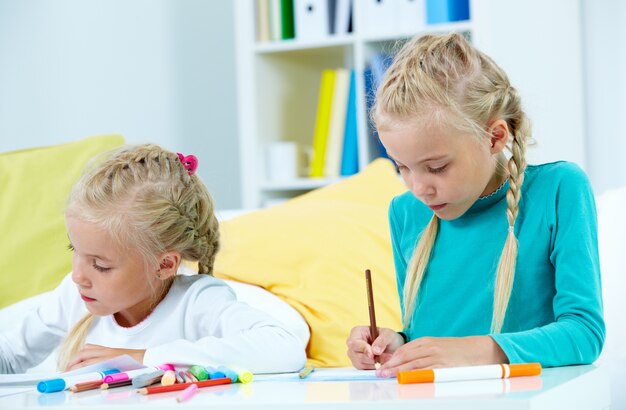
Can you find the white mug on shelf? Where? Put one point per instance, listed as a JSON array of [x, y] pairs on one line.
[[282, 161]]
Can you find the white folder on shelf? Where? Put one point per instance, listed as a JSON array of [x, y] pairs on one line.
[[410, 16], [311, 18], [378, 17]]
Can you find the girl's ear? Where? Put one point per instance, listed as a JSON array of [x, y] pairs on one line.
[[498, 135], [168, 265]]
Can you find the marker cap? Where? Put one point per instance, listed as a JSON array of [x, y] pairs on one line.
[[116, 377], [229, 373], [214, 373], [416, 376], [199, 372], [50, 386], [525, 369]]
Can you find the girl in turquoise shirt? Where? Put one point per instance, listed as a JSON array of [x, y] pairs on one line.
[[496, 261]]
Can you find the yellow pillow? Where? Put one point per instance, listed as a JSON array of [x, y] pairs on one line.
[[312, 252], [34, 185]]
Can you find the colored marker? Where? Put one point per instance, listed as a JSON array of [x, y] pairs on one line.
[[169, 378], [199, 372], [183, 386], [491, 371], [243, 376], [306, 370], [64, 383], [188, 393], [214, 373], [131, 374], [229, 373], [147, 379]]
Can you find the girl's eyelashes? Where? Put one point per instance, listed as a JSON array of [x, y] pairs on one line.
[[437, 170], [70, 247], [99, 268]]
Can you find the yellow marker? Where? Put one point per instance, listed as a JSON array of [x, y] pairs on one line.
[[169, 378], [243, 375]]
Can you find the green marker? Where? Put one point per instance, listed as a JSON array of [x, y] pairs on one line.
[[199, 372]]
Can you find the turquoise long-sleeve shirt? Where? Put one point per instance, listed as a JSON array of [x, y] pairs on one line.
[[554, 314]]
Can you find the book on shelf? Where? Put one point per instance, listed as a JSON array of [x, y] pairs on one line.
[[262, 12], [322, 121], [275, 21], [287, 19], [373, 74], [337, 123], [446, 11], [350, 152]]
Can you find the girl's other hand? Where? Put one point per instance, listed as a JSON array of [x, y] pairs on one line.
[[362, 354], [91, 354], [434, 352]]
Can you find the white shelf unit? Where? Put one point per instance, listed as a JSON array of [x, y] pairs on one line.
[[278, 82], [278, 88]]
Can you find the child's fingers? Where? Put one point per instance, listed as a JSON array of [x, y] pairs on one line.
[[387, 338]]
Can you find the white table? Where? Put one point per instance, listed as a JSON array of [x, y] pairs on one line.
[[575, 387]]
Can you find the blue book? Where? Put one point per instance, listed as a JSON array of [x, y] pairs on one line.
[[350, 152], [446, 11], [379, 64]]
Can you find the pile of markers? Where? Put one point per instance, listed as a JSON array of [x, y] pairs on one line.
[[146, 380]]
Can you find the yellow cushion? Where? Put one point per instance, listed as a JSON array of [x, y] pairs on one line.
[[312, 252], [34, 185]]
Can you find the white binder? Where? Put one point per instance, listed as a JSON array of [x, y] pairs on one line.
[[378, 17], [311, 19], [410, 16]]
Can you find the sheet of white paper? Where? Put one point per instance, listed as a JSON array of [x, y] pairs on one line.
[[122, 363], [7, 391], [325, 374]]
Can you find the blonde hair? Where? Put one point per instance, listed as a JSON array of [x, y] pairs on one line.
[[444, 79], [143, 196]]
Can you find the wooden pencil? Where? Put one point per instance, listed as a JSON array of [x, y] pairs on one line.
[[121, 383], [91, 385]]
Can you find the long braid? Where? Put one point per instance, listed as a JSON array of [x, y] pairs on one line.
[[417, 267]]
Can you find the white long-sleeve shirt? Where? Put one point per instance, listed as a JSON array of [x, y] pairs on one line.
[[199, 321]]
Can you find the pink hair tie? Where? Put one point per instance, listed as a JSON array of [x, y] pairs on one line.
[[190, 162]]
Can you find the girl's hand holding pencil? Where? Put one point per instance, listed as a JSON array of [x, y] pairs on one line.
[[365, 355]]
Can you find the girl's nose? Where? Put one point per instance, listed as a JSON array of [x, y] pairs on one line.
[[78, 273], [421, 189]]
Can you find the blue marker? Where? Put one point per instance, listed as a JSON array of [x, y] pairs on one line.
[[229, 373], [64, 383], [214, 373]]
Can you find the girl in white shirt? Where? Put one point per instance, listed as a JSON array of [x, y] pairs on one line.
[[131, 220]]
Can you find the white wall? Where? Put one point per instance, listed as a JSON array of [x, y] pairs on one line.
[[604, 28], [538, 44], [153, 70]]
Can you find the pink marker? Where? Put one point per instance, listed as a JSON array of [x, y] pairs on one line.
[[129, 375], [188, 393]]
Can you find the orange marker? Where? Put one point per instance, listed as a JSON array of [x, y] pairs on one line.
[[491, 371]]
